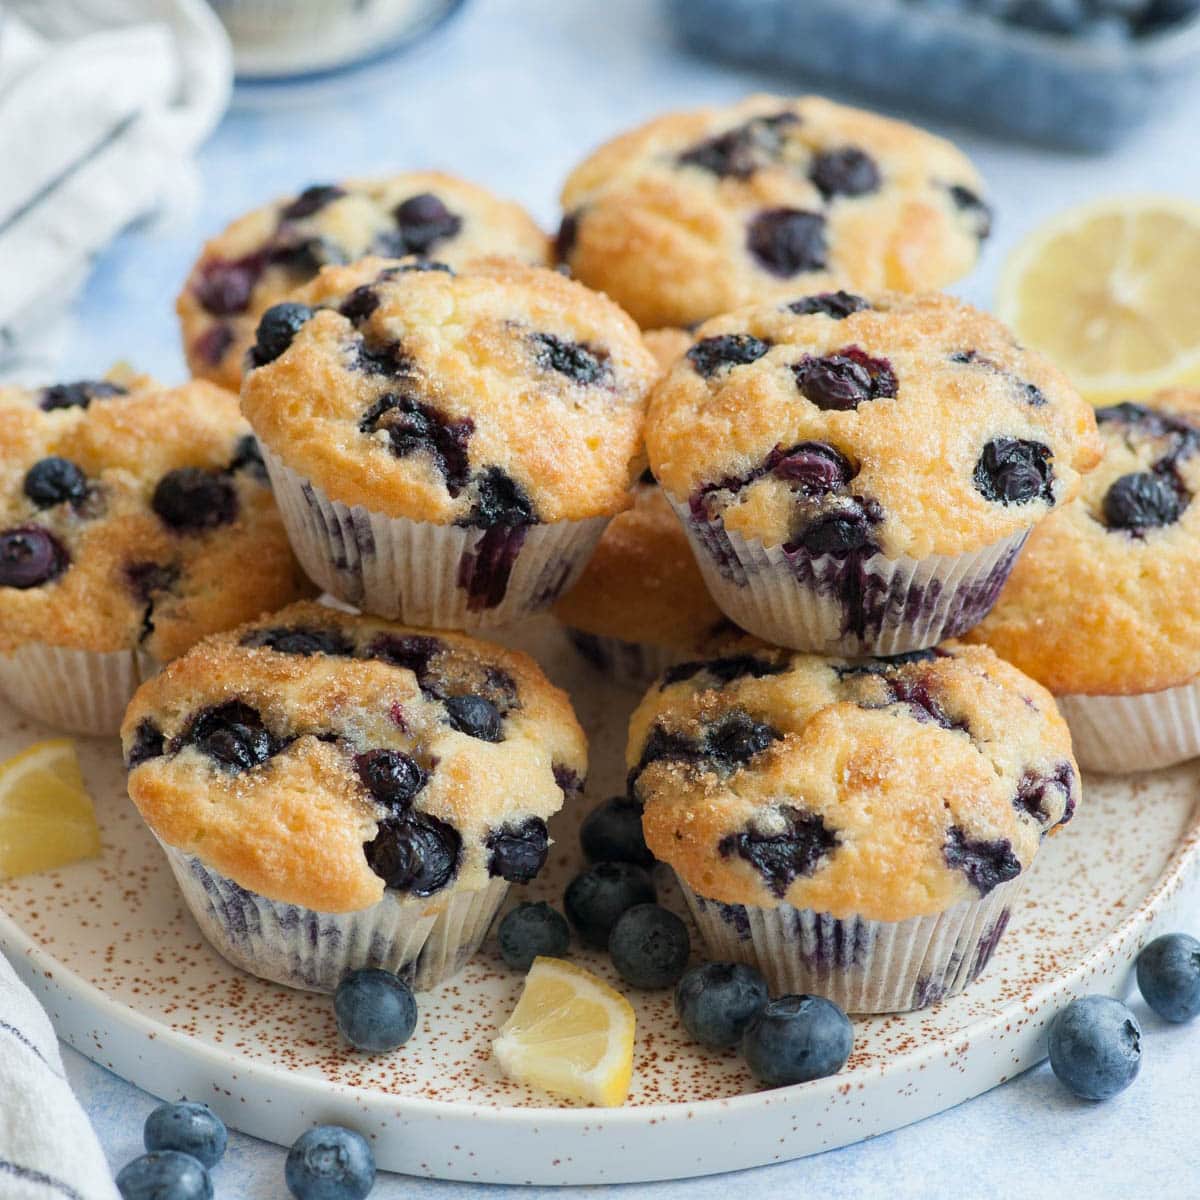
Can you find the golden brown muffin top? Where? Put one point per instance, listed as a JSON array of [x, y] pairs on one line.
[[834, 422], [885, 789], [499, 394], [269, 252], [316, 757], [696, 213], [1102, 600], [134, 516]]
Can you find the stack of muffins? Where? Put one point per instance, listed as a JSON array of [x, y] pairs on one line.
[[777, 509]]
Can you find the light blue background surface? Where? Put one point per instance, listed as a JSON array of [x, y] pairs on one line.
[[512, 94]]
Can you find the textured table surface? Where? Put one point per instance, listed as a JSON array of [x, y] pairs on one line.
[[512, 94]]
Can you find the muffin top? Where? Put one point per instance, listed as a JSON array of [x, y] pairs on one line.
[[882, 788], [836, 423], [317, 757], [500, 395], [1101, 601], [699, 212], [134, 516], [274, 249]]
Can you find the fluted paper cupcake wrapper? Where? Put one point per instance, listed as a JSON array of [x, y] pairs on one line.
[[422, 941], [863, 966], [273, 20], [422, 573], [631, 664], [1117, 735], [853, 605], [81, 691]]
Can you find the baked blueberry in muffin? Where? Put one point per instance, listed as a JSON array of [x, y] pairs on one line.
[[334, 791], [855, 828], [1100, 605], [857, 473], [696, 213], [448, 446], [134, 520], [275, 249]]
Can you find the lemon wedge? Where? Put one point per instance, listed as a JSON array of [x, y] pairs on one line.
[[1108, 291], [46, 815], [570, 1035]]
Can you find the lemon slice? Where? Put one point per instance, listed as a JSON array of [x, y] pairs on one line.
[[46, 815], [570, 1035], [1108, 290]]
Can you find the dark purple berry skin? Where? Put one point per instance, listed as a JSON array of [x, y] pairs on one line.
[[276, 329], [1014, 471], [716, 1002], [224, 287], [788, 241], [844, 380], [724, 670], [649, 946], [392, 778], [232, 735], [311, 200], [330, 1163], [148, 742], [1095, 1046], [1168, 976], [710, 354], [188, 1127], [986, 863], [814, 469], [783, 857], [838, 305], [846, 171], [841, 533], [532, 931], [499, 501], [475, 716], [413, 427], [300, 641], [797, 1038], [739, 152], [518, 852], [30, 556], [976, 210], [612, 832], [191, 500], [423, 221], [1034, 793], [568, 233], [582, 364], [1142, 500], [54, 480], [415, 853], [79, 394], [375, 1010], [596, 898], [360, 303]]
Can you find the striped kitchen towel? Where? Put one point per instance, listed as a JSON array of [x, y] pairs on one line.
[[102, 105], [47, 1148]]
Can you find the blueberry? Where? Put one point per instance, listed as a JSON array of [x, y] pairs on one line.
[[499, 501], [846, 171], [423, 221], [532, 930], [78, 394], [1141, 500], [717, 1001], [596, 898], [391, 777], [330, 1163], [797, 850], [518, 852], [411, 652], [415, 853], [476, 717], [797, 1038], [247, 456], [1168, 975], [191, 499], [985, 862], [649, 947], [977, 212], [814, 468], [164, 1175], [224, 287], [737, 738], [844, 380], [739, 152], [1162, 14], [293, 639], [839, 533], [54, 480], [412, 427], [276, 329], [360, 303], [786, 241], [375, 1010], [568, 234], [838, 305], [311, 200], [148, 742], [1095, 1047], [233, 735], [726, 670], [579, 362], [1014, 471], [710, 354], [30, 556], [612, 832], [188, 1127]]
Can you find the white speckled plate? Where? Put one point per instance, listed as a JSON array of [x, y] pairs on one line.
[[130, 982]]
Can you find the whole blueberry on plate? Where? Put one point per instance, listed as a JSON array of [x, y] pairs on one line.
[[1168, 976], [330, 1163], [596, 898], [649, 946], [164, 1175], [375, 1010], [1096, 1047], [797, 1038], [532, 930], [188, 1127], [612, 832], [716, 1002]]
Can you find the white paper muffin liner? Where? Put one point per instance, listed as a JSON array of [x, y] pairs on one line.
[[630, 664], [422, 573], [1146, 731], [349, 21], [80, 691], [848, 606], [863, 966], [422, 941]]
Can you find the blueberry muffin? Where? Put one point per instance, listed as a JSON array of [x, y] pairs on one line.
[[134, 520], [1100, 607], [447, 447], [859, 829], [700, 212], [857, 474], [334, 792], [275, 249]]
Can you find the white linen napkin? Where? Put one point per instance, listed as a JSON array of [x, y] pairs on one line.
[[102, 105], [48, 1150]]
